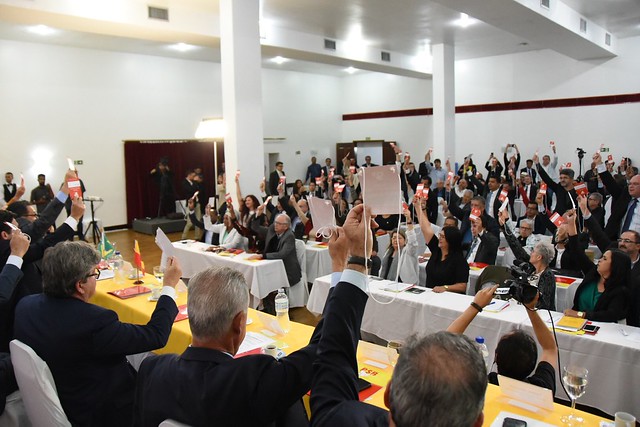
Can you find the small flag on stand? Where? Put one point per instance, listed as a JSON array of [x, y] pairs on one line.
[[137, 261], [105, 247]]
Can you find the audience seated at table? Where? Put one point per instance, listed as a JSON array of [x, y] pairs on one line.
[[85, 345], [447, 391], [206, 385], [400, 260], [540, 257], [603, 295], [228, 237], [447, 269], [517, 353]]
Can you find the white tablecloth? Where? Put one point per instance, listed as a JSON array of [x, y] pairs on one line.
[[613, 360], [318, 261], [263, 277]]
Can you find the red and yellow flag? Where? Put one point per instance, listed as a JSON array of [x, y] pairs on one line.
[[137, 257]]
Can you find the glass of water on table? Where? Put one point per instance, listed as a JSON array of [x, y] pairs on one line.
[[158, 272]]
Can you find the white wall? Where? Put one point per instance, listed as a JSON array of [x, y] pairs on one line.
[[58, 102], [519, 77]]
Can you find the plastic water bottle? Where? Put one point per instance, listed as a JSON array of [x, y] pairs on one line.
[[118, 272], [282, 310], [483, 350]]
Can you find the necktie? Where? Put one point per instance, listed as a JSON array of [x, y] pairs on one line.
[[473, 247], [627, 220]]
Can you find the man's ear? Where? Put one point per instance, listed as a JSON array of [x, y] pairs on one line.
[[5, 235]]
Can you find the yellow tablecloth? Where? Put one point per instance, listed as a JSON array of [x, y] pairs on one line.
[[138, 310]]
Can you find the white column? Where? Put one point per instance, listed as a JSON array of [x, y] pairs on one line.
[[444, 102], [242, 94]]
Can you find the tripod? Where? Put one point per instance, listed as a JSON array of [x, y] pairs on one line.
[[95, 232]]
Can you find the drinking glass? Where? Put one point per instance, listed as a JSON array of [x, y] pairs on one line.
[[158, 272], [575, 380], [393, 351]]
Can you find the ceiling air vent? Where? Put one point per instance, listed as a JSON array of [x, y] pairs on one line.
[[583, 25], [385, 56], [607, 39], [329, 44], [545, 4], [158, 13]]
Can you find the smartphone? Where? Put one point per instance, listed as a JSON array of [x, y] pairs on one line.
[[363, 384], [590, 328], [415, 290], [512, 422]]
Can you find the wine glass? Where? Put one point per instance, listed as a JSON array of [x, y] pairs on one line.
[[393, 350], [575, 380], [158, 272]]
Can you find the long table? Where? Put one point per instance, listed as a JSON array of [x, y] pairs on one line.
[[612, 358], [263, 277], [373, 360]]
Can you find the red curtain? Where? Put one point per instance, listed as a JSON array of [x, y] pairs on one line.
[[140, 157]]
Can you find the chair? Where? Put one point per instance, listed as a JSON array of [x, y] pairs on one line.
[[37, 387], [491, 276], [172, 423], [299, 293]]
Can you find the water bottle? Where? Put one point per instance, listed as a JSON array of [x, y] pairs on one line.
[[483, 350], [118, 272], [282, 310]]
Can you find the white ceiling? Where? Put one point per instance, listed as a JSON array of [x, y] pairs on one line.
[[403, 27]]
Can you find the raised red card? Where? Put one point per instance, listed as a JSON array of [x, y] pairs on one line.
[[581, 189], [557, 219]]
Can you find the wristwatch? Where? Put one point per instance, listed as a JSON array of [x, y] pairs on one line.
[[358, 260], [581, 314], [446, 287]]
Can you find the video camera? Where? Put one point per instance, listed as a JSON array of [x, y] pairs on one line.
[[519, 288]]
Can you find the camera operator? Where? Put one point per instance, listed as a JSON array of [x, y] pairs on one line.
[[516, 353], [541, 255]]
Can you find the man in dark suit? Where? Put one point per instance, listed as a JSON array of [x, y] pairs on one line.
[[418, 394], [565, 194], [539, 219], [189, 188], [31, 283], [280, 243], [477, 202], [530, 170], [9, 187], [625, 208], [484, 247], [85, 345], [274, 179], [594, 202], [490, 192], [206, 385], [367, 162], [527, 189]]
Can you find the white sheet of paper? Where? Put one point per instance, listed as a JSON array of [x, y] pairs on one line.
[[322, 213], [70, 163], [106, 274], [373, 352], [526, 393], [530, 421], [270, 322], [253, 340], [212, 202], [381, 189], [165, 246]]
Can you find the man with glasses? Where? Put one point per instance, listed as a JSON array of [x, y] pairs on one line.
[[594, 203], [280, 243], [85, 345], [538, 219]]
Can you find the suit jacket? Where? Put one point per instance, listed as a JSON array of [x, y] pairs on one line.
[[286, 250], [619, 204], [463, 216], [484, 191], [423, 171], [9, 278], [274, 180], [563, 202], [9, 191], [539, 223], [531, 172], [487, 249], [189, 188], [31, 282], [204, 387], [37, 229], [85, 347], [334, 395]]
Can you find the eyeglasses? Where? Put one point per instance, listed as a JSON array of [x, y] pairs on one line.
[[96, 274], [628, 241], [280, 223], [525, 228], [32, 214]]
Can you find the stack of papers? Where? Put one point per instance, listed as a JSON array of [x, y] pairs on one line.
[[396, 287], [572, 324], [496, 306]]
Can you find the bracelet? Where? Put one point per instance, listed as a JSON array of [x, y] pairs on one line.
[[476, 306], [358, 260]]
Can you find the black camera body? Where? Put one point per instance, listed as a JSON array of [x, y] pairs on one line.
[[519, 287]]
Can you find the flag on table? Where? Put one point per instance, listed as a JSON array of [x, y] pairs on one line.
[[137, 258], [105, 247]]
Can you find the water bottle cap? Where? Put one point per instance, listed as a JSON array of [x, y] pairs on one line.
[[281, 290], [480, 340]]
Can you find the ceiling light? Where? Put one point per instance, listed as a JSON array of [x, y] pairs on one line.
[[279, 60], [41, 30], [350, 70], [211, 128], [465, 20], [182, 47]]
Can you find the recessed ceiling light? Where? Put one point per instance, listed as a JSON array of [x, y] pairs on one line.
[[182, 47], [41, 30], [350, 70], [279, 60], [465, 20]]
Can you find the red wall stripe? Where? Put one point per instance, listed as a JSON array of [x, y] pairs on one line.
[[504, 106]]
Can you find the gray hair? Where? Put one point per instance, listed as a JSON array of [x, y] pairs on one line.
[[528, 222], [546, 251], [597, 196], [216, 296], [66, 264], [283, 215], [440, 380], [468, 192]]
